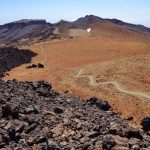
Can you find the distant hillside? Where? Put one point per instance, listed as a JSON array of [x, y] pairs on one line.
[[28, 31], [25, 31], [100, 27], [86, 21], [133, 27]]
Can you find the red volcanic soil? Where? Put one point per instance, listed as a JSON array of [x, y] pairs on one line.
[[64, 58]]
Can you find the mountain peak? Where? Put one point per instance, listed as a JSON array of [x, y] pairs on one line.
[[30, 20], [86, 21], [24, 22]]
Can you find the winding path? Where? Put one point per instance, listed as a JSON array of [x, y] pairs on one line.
[[92, 82], [44, 55], [59, 66]]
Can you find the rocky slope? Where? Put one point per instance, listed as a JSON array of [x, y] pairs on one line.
[[11, 57], [34, 117], [25, 32]]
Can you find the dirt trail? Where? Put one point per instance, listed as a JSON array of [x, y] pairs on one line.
[[92, 82], [44, 56], [67, 76], [44, 60]]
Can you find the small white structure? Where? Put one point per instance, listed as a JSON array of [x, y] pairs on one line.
[[89, 31]]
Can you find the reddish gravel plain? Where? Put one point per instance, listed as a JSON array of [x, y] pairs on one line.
[[123, 59]]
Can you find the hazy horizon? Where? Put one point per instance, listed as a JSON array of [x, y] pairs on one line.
[[131, 11]]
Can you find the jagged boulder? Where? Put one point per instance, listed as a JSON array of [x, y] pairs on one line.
[[40, 65], [33, 116], [99, 103], [146, 123]]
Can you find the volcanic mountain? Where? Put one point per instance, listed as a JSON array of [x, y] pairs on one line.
[[25, 31], [91, 19], [100, 27], [108, 70], [30, 31]]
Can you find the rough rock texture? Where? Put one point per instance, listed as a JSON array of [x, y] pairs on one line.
[[146, 123], [12, 57], [33, 116]]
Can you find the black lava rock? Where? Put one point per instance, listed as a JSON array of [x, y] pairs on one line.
[[40, 65], [58, 110], [108, 143], [7, 111], [105, 106], [33, 116], [146, 123]]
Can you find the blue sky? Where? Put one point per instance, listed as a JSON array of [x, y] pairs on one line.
[[134, 11]]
